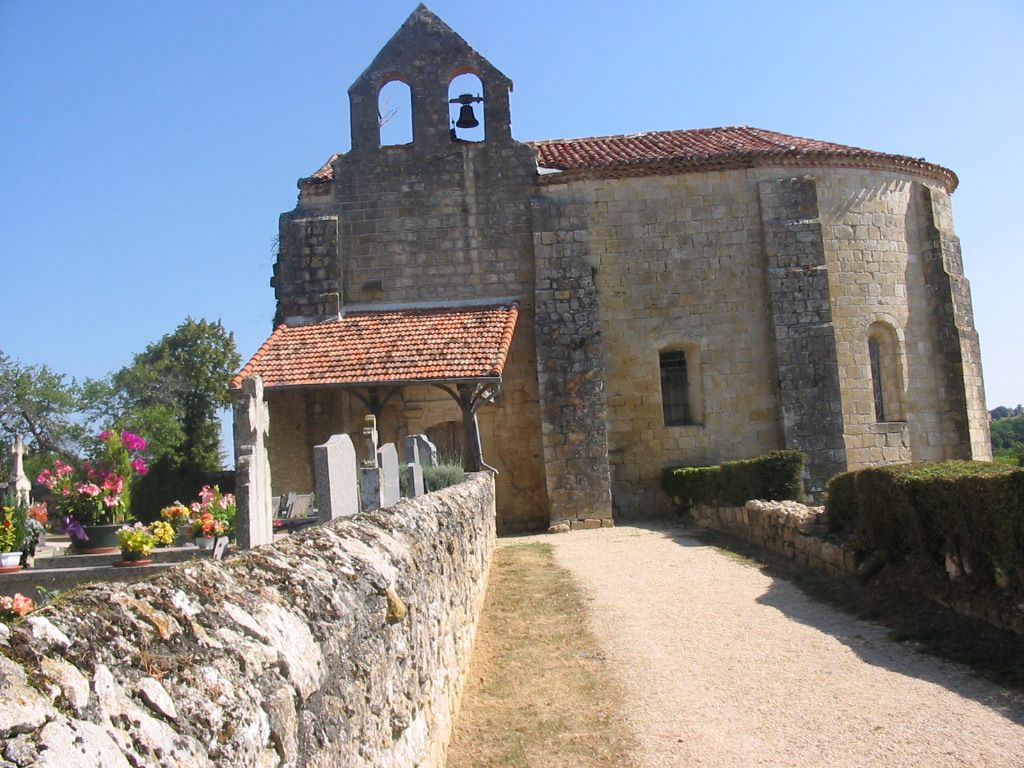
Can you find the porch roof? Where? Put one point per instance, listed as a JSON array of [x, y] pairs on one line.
[[370, 347]]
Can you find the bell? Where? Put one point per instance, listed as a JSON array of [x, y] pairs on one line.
[[466, 117]]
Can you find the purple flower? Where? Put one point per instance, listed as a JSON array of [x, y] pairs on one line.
[[73, 528]]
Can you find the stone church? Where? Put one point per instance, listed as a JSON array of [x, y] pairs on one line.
[[579, 314]]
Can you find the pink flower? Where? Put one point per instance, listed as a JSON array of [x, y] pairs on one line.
[[105, 435], [139, 466], [206, 495], [195, 506], [133, 442], [62, 468], [111, 501], [226, 501], [46, 478], [21, 604], [88, 489], [113, 483]]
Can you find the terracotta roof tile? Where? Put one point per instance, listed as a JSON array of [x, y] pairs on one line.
[[716, 148], [698, 150], [394, 345]]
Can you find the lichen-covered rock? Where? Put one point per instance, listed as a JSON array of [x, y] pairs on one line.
[[345, 644]]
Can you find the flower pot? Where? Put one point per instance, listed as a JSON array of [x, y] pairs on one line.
[[131, 556], [204, 542], [10, 562], [102, 540]]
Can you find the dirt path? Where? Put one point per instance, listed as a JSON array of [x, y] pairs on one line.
[[723, 665]]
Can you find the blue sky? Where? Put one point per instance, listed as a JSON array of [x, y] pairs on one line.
[[148, 148]]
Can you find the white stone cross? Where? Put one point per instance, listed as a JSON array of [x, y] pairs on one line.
[[19, 483]]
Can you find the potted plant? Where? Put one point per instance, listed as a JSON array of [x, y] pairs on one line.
[[13, 534], [163, 533], [136, 542], [205, 529], [95, 500], [177, 515], [212, 516]]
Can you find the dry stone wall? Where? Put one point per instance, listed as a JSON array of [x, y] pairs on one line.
[[344, 645], [798, 532], [785, 527]]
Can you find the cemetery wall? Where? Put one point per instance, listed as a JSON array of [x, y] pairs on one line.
[[346, 644]]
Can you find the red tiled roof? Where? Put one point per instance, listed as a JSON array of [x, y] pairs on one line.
[[381, 346], [703, 149], [716, 149]]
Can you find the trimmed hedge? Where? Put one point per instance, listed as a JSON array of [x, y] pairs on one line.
[[776, 476], [973, 510]]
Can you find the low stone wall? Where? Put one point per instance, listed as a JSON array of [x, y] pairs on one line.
[[344, 645], [796, 531], [785, 527]]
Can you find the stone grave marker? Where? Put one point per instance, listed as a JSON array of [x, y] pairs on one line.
[[19, 486], [220, 547], [255, 517], [426, 451], [337, 480], [413, 466], [387, 460]]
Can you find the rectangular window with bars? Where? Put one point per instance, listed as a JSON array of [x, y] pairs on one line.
[[675, 388]]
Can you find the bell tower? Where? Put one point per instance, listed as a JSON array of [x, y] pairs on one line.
[[427, 55]]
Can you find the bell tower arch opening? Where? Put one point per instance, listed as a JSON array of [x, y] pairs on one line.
[[466, 107], [394, 113]]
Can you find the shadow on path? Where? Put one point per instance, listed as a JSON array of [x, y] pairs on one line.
[[840, 622]]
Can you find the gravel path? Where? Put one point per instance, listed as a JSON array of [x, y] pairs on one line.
[[725, 666]]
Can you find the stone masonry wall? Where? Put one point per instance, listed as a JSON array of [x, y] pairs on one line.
[[893, 260], [964, 418], [570, 366], [797, 532], [676, 263], [804, 336], [345, 645], [307, 281]]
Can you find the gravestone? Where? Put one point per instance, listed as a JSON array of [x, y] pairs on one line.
[[369, 489], [413, 468], [337, 481], [19, 485], [255, 517], [370, 436], [387, 460], [425, 450], [220, 546]]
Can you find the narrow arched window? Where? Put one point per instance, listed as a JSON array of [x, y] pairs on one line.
[[466, 108], [394, 114], [875, 354], [886, 362]]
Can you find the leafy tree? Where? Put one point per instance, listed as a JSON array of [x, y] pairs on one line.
[[171, 393], [44, 407]]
